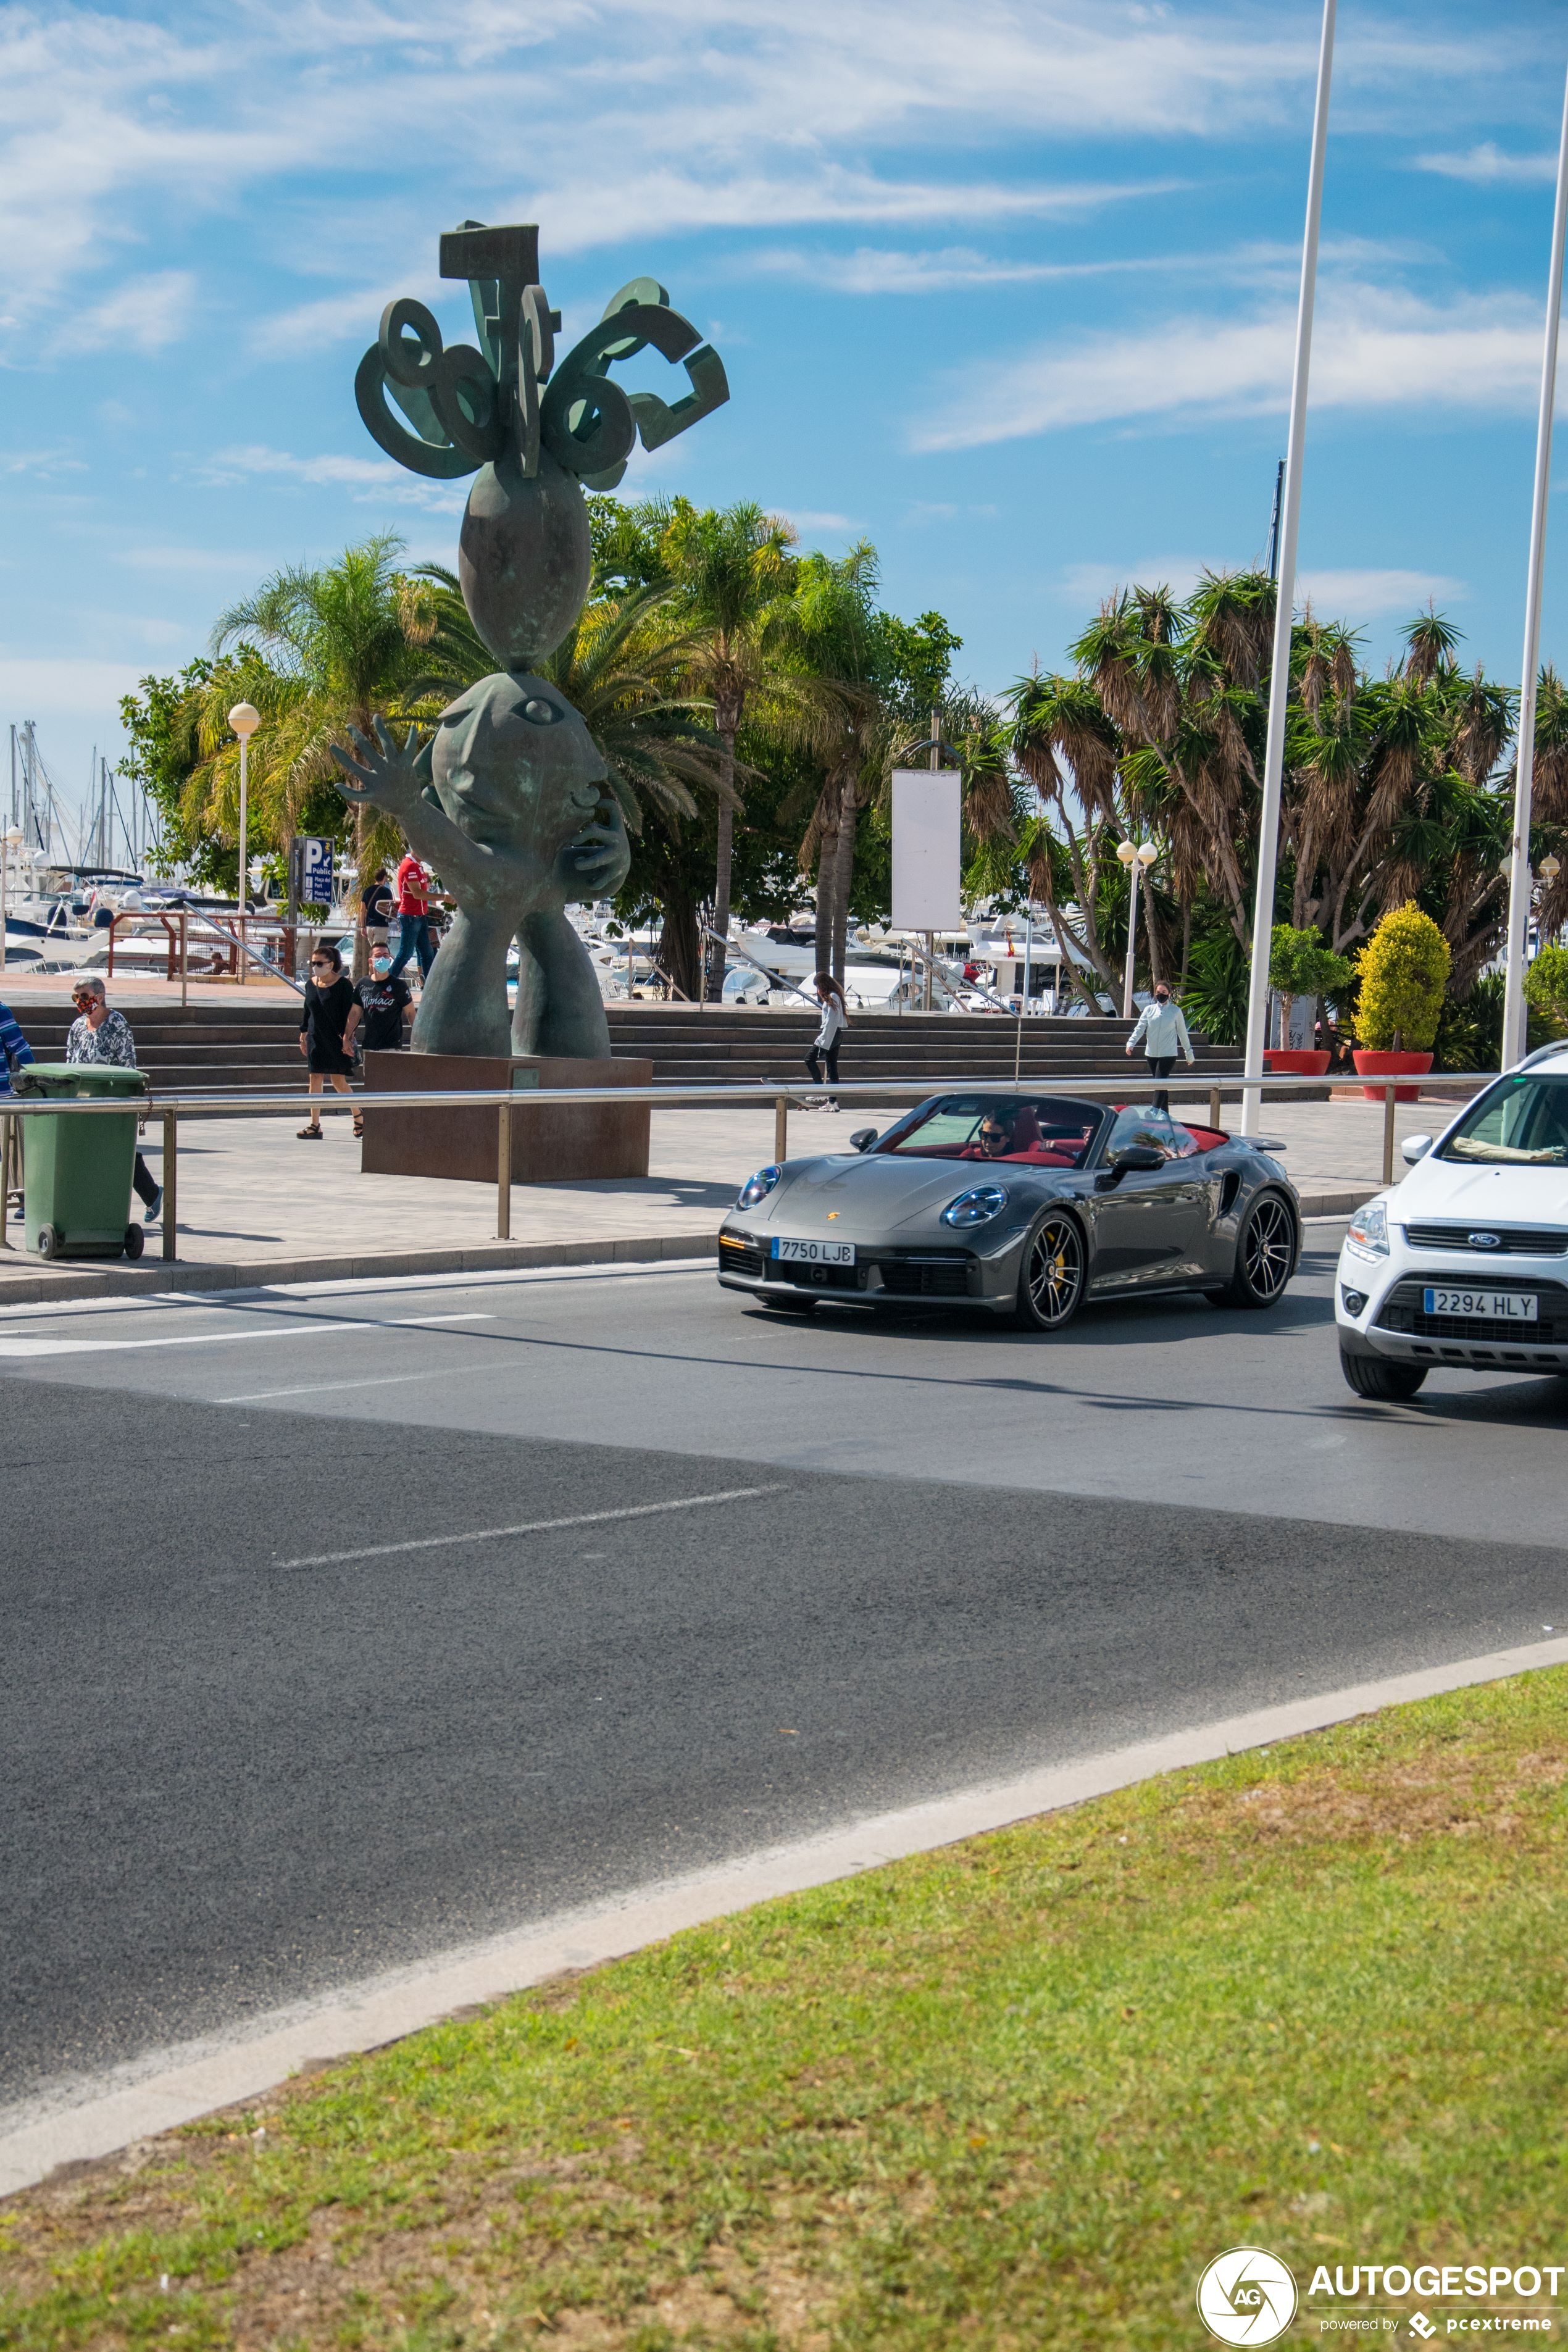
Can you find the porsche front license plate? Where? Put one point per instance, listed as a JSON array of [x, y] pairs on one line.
[[815, 1253], [1495, 1305]]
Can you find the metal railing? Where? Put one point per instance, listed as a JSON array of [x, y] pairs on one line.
[[746, 1094]]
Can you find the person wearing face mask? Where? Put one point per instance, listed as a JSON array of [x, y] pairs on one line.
[[1161, 1030], [382, 1010]]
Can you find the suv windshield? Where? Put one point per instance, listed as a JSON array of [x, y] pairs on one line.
[[1037, 1130], [1523, 1122]]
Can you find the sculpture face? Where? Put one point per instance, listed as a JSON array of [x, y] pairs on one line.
[[515, 768]]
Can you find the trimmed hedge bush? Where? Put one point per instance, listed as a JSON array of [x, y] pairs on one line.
[[1403, 971]]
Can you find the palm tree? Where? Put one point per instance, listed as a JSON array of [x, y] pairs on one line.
[[732, 575], [319, 651], [855, 727]]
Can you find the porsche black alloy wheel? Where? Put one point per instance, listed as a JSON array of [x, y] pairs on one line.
[[1051, 1279], [1265, 1253], [1376, 1377]]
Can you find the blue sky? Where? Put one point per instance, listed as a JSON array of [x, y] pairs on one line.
[[1008, 288]]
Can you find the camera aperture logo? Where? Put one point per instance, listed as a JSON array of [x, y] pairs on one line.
[[1246, 2295]]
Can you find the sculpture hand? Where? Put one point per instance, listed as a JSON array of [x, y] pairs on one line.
[[390, 778], [595, 861]]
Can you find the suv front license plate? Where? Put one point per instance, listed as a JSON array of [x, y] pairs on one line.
[[1491, 1306], [813, 1253]]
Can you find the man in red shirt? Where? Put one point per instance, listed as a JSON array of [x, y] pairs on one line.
[[413, 917]]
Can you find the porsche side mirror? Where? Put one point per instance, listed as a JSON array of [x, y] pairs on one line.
[[1414, 1148], [863, 1139], [1139, 1158]]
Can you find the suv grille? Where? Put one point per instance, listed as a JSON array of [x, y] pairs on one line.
[[1513, 1241], [1403, 1311]]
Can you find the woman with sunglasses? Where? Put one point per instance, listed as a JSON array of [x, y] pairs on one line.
[[324, 1017]]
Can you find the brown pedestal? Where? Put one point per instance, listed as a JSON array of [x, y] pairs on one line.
[[549, 1145]]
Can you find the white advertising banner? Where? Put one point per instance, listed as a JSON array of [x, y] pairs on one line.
[[926, 851]]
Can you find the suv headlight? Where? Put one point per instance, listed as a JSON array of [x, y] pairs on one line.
[[975, 1207], [1368, 1232], [757, 1187]]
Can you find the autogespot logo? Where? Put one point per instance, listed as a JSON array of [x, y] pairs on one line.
[[1247, 2296]]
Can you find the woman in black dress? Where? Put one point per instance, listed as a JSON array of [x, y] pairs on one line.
[[324, 1017]]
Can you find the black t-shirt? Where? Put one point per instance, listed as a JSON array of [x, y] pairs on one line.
[[381, 1014], [377, 902], [325, 1011]]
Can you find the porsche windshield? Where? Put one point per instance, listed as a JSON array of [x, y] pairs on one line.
[[1035, 1129], [1523, 1123]]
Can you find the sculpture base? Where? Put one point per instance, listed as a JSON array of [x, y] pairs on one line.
[[553, 1145]]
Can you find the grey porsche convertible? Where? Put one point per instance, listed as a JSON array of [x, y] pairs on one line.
[[1021, 1205]]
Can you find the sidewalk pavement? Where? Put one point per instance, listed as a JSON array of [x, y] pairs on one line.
[[257, 1206]]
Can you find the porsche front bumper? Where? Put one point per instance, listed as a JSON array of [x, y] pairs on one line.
[[933, 1274]]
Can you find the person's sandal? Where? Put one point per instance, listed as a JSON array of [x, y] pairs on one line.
[[310, 1135], [359, 1123]]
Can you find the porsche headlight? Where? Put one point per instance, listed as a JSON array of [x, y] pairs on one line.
[[757, 1187], [1368, 1233], [975, 1207]]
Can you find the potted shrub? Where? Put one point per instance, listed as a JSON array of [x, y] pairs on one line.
[[1403, 971], [1300, 965]]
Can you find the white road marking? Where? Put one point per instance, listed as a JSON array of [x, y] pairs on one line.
[[533, 1527], [324, 1388], [33, 1347]]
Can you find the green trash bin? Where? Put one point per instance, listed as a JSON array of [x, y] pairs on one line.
[[76, 1172]]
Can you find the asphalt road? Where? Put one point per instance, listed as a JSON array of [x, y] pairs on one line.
[[261, 1735]]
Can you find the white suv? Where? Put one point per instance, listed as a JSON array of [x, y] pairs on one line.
[[1465, 1264]]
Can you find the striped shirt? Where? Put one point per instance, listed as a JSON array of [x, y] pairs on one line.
[[14, 1050]]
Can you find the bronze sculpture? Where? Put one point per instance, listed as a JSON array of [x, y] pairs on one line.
[[510, 799]]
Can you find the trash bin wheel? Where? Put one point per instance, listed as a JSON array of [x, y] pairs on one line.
[[50, 1241], [135, 1240]]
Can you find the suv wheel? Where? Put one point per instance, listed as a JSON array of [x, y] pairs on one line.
[[1376, 1377]]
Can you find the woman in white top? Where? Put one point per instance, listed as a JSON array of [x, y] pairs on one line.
[[823, 1058]]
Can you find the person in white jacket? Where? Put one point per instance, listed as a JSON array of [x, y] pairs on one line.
[[1161, 1028], [823, 1057]]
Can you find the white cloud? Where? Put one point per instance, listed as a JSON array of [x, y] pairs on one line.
[[1092, 583], [687, 114], [196, 561], [146, 314], [42, 687], [1353, 595], [1488, 166], [43, 462], [377, 478], [1376, 347], [804, 519]]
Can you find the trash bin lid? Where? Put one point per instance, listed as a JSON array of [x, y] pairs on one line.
[[68, 1081]]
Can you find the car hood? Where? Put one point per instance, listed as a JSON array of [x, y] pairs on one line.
[[1498, 1194], [866, 1199]]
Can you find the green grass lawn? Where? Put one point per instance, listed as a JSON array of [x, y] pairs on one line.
[[1014, 2094]]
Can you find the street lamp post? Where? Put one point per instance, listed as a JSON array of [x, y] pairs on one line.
[[1285, 595], [245, 719], [1518, 878], [1141, 855]]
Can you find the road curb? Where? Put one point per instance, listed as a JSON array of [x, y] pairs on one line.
[[173, 2086], [110, 1281]]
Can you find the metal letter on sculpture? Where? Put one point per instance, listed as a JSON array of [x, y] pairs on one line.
[[510, 801]]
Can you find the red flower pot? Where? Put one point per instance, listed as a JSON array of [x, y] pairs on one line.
[[1391, 1065], [1298, 1061]]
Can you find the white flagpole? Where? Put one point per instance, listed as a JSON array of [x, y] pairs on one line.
[[1519, 876], [1279, 673]]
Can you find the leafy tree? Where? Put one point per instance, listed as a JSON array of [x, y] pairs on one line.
[[1300, 965]]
